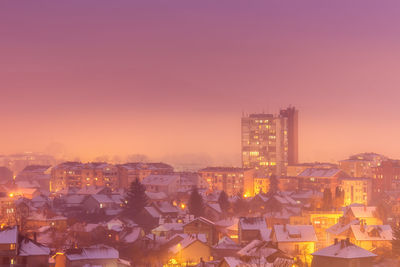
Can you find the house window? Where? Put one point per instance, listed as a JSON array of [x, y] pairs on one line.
[[12, 246], [101, 205]]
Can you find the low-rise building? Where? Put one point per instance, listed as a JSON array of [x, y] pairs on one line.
[[296, 240], [344, 254], [169, 184], [230, 179]]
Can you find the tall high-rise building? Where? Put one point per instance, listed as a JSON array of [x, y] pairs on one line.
[[270, 142]]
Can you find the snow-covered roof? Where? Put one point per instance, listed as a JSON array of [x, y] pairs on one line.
[[187, 241], [363, 211], [102, 198], [319, 172], [156, 195], [295, 233], [89, 190], [344, 249], [153, 211], [9, 235], [74, 199], [29, 248], [340, 228], [161, 180], [94, 252], [133, 235], [226, 243], [168, 227], [234, 262], [372, 232], [215, 206], [257, 248], [202, 219], [166, 207], [252, 223]]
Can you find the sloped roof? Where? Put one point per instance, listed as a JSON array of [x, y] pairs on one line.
[[295, 233], [252, 223], [363, 211], [187, 241], [344, 250], [160, 179], [340, 228], [320, 172], [226, 243], [28, 247], [372, 232], [94, 252], [9, 235]]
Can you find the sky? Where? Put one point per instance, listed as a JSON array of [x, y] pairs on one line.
[[171, 79]]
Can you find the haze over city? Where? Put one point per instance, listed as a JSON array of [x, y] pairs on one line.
[[171, 79]]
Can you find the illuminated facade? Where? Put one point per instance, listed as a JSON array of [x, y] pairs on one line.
[[129, 172], [231, 180], [270, 142], [356, 190], [361, 165], [386, 177], [78, 175]]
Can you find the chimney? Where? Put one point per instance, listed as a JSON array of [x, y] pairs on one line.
[[336, 241], [34, 236], [347, 241], [342, 243]]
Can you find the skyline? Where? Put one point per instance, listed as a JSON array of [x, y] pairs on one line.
[[140, 78]]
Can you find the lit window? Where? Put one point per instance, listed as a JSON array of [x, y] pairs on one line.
[[12, 246]]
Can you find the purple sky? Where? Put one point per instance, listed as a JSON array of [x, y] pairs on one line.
[[173, 77]]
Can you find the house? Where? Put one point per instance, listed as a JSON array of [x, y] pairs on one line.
[[370, 237], [225, 247], [258, 251], [321, 220], [96, 203], [169, 184], [296, 240], [191, 250], [40, 219], [343, 254], [20, 251], [201, 225], [251, 228], [229, 227], [341, 230], [97, 255], [366, 213]]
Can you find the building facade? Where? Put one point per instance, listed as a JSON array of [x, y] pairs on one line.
[[229, 179], [270, 142], [79, 175]]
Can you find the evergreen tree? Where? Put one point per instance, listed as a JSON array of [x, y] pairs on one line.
[[240, 206], [396, 240], [339, 197], [136, 199], [327, 199], [382, 211], [224, 202], [273, 185], [196, 203]]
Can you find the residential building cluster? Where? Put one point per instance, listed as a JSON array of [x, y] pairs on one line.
[[271, 211]]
